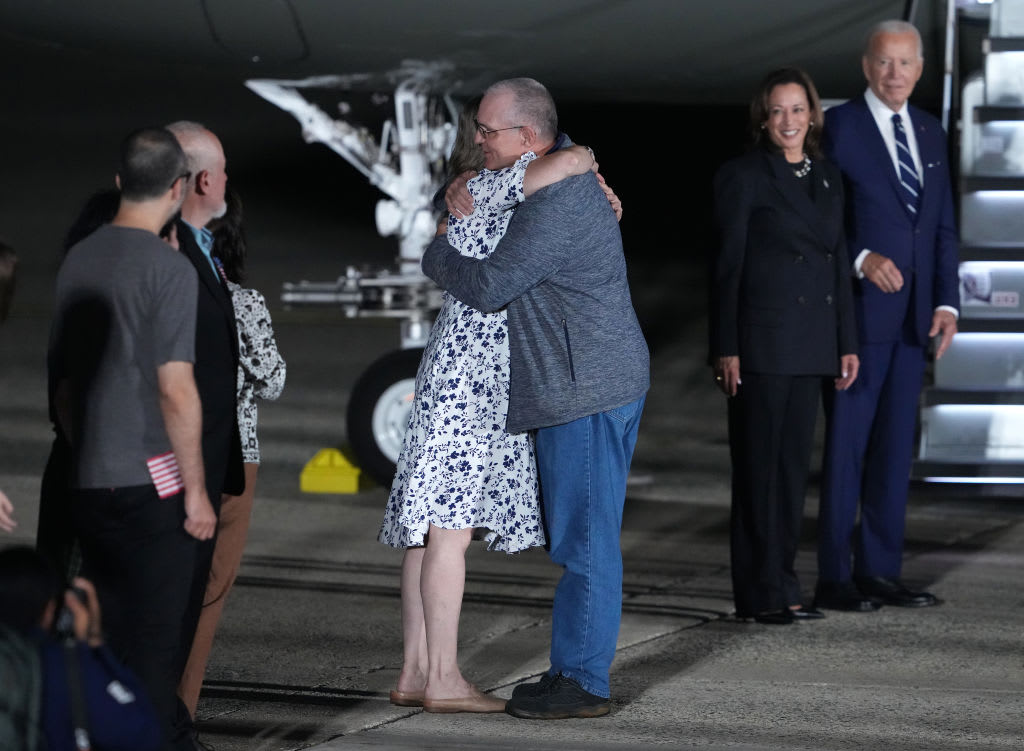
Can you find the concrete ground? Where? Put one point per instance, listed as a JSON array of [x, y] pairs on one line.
[[310, 643]]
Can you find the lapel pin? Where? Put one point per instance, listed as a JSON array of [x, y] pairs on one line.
[[825, 182]]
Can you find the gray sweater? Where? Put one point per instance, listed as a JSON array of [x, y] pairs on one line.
[[575, 342]]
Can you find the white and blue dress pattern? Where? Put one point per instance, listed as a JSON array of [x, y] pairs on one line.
[[458, 468], [261, 369]]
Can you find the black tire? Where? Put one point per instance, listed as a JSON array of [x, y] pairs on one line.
[[383, 394]]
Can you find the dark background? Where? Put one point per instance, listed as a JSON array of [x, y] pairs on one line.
[[309, 214]]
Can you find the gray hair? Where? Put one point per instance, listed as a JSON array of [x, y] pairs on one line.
[[195, 142], [893, 26], [531, 105]]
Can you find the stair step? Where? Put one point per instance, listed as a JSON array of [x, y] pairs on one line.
[[935, 396], [1004, 71], [996, 114], [1003, 473], [972, 432], [992, 289], [983, 361], [983, 324], [976, 182], [992, 218], [991, 253]]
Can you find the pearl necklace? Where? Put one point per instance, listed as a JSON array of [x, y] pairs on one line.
[[804, 169]]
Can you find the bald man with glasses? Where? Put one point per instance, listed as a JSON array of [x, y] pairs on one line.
[[579, 374]]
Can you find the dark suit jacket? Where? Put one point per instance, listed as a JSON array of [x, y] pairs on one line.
[[781, 296], [923, 248], [216, 370]]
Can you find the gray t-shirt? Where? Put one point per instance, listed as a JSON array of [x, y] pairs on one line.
[[126, 304]]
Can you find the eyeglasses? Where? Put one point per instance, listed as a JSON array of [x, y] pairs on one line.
[[186, 176], [487, 132]]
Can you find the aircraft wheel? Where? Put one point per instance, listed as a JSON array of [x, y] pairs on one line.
[[378, 412]]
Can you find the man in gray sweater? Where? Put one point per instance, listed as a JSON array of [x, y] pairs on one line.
[[579, 374]]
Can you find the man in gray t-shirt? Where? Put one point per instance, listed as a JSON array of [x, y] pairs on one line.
[[121, 354], [126, 307]]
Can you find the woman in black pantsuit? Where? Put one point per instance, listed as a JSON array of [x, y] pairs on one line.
[[781, 322]]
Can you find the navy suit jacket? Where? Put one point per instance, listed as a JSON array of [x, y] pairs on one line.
[[924, 248], [216, 373]]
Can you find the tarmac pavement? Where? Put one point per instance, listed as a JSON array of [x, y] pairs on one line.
[[310, 643]]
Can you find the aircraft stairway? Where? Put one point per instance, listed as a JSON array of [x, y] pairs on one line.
[[972, 416]]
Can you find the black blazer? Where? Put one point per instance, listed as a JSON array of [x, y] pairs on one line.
[[216, 372], [781, 294]]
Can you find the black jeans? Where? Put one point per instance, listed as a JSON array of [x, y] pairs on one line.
[[137, 553], [55, 536]]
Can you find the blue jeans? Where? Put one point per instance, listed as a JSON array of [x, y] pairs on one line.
[[583, 466]]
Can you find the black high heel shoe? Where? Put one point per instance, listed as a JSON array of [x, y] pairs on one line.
[[782, 617], [806, 614]]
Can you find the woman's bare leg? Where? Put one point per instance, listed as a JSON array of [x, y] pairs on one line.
[[442, 581], [413, 677]]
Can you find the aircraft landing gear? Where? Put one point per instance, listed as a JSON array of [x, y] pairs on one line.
[[378, 412], [407, 163]]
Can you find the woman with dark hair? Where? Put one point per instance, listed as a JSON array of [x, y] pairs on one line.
[[466, 154], [781, 323], [261, 374], [98, 210]]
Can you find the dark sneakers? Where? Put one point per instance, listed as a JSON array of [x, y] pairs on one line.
[[555, 698], [530, 690]]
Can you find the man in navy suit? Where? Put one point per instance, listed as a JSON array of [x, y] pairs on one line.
[[903, 243]]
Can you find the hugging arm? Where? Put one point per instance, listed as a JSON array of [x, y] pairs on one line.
[[535, 245]]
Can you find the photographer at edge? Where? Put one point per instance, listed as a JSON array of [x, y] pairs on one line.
[[39, 662]]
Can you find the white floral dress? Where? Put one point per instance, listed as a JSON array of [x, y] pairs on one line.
[[261, 369], [458, 468]]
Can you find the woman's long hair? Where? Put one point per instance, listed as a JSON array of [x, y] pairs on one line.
[[99, 209], [759, 109], [466, 153], [229, 243]]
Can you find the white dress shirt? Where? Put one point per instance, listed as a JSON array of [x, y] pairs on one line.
[[883, 119]]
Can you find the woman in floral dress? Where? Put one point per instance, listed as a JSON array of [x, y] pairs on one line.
[[459, 470]]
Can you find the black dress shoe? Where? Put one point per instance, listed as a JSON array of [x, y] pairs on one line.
[[559, 698], [782, 617], [893, 592], [806, 614], [843, 596]]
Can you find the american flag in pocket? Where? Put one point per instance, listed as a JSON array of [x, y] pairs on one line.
[[166, 475]]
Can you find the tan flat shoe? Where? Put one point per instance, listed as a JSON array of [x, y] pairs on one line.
[[407, 698], [475, 702]]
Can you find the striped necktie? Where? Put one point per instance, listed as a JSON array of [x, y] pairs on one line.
[[907, 173]]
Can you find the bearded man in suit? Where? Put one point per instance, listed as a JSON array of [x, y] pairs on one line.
[[216, 343]]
